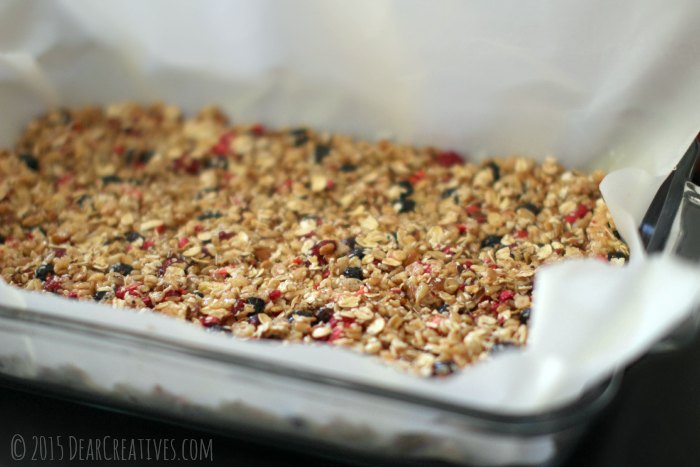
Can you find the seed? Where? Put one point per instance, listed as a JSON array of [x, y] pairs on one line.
[[404, 205], [496, 170], [132, 236], [121, 268], [258, 304], [43, 271], [209, 215], [99, 295], [530, 207], [348, 168], [353, 273], [107, 179], [491, 240], [30, 161], [407, 188], [321, 152], [525, 316], [324, 314]]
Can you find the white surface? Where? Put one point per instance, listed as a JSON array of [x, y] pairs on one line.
[[597, 84]]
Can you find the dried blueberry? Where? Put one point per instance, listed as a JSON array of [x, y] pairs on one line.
[[305, 313], [525, 316], [81, 200], [617, 255], [407, 188], [121, 268], [99, 295], [350, 242], [530, 207], [404, 205], [444, 368], [300, 136], [258, 304], [495, 169], [491, 240], [254, 319], [501, 346], [2, 239], [216, 163], [321, 152], [358, 251], [617, 234], [146, 156], [199, 294], [444, 308], [132, 236], [107, 179], [448, 192], [30, 161], [209, 215], [353, 273], [43, 271], [324, 315], [348, 168]]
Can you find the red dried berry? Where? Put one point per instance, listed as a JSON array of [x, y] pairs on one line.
[[316, 249], [449, 159], [417, 177], [274, 295], [506, 295], [225, 235], [148, 244], [119, 149], [59, 252], [462, 228], [182, 242], [521, 233], [208, 321], [258, 129]]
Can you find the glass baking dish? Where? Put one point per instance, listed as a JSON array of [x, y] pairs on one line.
[[395, 425]]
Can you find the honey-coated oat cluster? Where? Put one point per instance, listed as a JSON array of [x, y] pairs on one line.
[[411, 254]]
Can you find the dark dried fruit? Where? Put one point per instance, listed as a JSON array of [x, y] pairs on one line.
[[107, 179], [209, 215], [617, 234], [491, 240], [99, 295], [2, 239], [216, 162], [121, 268], [617, 255], [321, 152], [199, 294], [407, 188], [444, 308], [530, 207], [449, 159], [444, 368], [353, 273], [358, 252], [323, 247], [132, 236], [146, 156], [448, 192], [30, 161], [324, 315], [254, 319], [501, 346], [44, 271], [404, 205], [495, 169], [258, 304], [81, 200], [348, 168], [304, 313], [300, 136], [350, 242], [525, 316]]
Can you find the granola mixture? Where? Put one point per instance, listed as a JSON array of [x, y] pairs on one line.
[[410, 254]]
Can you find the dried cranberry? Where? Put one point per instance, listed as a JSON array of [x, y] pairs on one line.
[[254, 319], [52, 284], [224, 235], [258, 129], [353, 273], [44, 271], [148, 244], [258, 304], [59, 252], [521, 233], [525, 316], [209, 321], [274, 295], [462, 228], [30, 161], [505, 295], [449, 159], [491, 240], [182, 242], [121, 268]]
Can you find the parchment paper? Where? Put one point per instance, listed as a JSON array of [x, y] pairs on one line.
[[598, 84]]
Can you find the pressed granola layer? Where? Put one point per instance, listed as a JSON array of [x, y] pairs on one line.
[[410, 254]]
